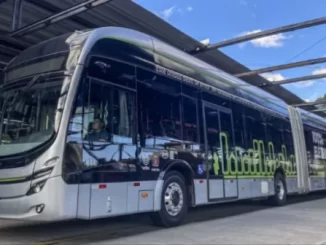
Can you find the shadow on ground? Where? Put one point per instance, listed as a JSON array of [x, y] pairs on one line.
[[112, 228]]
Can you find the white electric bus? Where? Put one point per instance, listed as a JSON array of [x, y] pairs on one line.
[[111, 121]]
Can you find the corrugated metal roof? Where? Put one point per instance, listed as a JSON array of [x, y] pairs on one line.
[[123, 13]]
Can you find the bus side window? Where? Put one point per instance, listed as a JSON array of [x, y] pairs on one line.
[[239, 128], [309, 146], [239, 132], [274, 130], [113, 71], [159, 104], [255, 126], [190, 120], [256, 138], [111, 99], [288, 139], [108, 113]]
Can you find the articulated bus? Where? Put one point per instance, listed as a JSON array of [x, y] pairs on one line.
[[110, 121]]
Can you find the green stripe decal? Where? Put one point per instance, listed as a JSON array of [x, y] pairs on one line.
[[12, 179]]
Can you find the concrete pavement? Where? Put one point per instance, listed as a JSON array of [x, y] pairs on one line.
[[303, 221]]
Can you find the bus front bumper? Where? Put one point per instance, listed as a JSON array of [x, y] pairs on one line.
[[45, 205], [22, 208]]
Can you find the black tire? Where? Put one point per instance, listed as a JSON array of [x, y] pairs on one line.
[[162, 217], [275, 200]]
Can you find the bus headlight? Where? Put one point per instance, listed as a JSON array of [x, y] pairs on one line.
[[50, 162], [42, 172], [36, 188]]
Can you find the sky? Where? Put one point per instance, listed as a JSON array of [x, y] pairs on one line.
[[219, 20]]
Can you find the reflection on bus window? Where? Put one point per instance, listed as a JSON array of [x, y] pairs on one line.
[[108, 113], [190, 122], [159, 107], [30, 114], [274, 128], [255, 126], [239, 128]]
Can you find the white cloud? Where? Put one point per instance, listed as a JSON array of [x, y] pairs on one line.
[[276, 77], [167, 13], [189, 8], [319, 71], [304, 84], [273, 41], [206, 41], [273, 77], [243, 2], [312, 97]]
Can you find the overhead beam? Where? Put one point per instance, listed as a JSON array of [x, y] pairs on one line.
[[16, 14], [294, 80], [317, 102], [52, 8], [320, 109], [3, 63], [282, 29], [282, 67], [5, 58], [13, 42], [74, 10], [4, 49]]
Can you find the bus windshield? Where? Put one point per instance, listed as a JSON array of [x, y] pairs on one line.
[[30, 112]]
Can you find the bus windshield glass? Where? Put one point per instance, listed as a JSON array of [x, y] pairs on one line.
[[30, 112]]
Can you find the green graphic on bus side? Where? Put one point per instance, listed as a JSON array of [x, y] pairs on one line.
[[254, 161]]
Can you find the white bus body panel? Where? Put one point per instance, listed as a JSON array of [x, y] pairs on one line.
[[60, 202], [112, 199]]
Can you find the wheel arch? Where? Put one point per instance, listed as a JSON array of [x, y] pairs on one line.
[[185, 170], [281, 171]]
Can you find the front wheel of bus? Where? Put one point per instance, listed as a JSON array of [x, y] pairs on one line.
[[174, 201]]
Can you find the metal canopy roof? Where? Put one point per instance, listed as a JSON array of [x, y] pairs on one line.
[[124, 13]]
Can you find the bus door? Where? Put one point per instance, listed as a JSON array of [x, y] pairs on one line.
[[220, 161]]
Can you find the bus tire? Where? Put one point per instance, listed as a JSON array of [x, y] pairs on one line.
[[280, 191], [174, 201]]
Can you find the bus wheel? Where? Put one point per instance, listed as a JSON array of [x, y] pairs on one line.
[[280, 196], [174, 201]]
